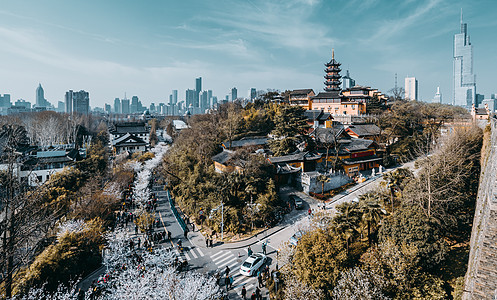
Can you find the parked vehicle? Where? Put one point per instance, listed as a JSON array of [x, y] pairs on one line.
[[299, 203], [252, 264], [294, 240]]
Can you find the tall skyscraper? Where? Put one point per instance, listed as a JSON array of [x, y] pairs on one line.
[[125, 106], [68, 101], [411, 88], [77, 102], [204, 98], [175, 96], [464, 79], [253, 94], [40, 97], [108, 108], [117, 106], [234, 94], [81, 102], [190, 97], [438, 96], [198, 89]]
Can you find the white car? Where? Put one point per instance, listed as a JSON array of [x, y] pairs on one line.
[[252, 264]]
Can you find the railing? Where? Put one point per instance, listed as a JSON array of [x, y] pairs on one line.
[[180, 220]]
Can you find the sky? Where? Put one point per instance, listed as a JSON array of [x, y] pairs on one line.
[[148, 48]]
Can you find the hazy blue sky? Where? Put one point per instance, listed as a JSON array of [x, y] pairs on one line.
[[148, 48]]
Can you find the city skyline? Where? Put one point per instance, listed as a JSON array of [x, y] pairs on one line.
[[150, 50]]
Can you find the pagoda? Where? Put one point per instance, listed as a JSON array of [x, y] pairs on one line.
[[332, 76]]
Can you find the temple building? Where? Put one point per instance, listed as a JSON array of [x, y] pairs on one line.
[[332, 76], [302, 98]]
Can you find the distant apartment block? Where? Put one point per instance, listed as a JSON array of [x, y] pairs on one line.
[[77, 102], [411, 88]]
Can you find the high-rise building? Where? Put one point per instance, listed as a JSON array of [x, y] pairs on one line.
[[81, 102], [5, 101], [198, 89], [438, 96], [40, 97], [190, 97], [464, 79], [68, 101], [175, 96], [332, 76], [253, 94], [209, 98], [234, 94], [134, 105], [152, 107], [214, 102], [117, 106], [479, 99], [61, 107], [204, 101], [23, 103], [125, 106], [411, 88], [108, 108], [348, 82]]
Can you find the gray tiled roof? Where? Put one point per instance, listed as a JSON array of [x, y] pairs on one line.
[[245, 142], [300, 156], [365, 129], [121, 141], [134, 128]]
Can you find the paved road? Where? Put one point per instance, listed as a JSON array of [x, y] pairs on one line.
[[209, 260]]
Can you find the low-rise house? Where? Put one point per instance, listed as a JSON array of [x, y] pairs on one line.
[[364, 131], [225, 162], [137, 129], [246, 142], [128, 143], [318, 118], [288, 167], [478, 113], [302, 97]]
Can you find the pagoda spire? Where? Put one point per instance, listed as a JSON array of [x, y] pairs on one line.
[[332, 76]]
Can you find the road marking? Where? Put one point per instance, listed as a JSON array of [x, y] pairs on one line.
[[218, 255], [193, 253], [200, 251], [224, 260], [186, 255]]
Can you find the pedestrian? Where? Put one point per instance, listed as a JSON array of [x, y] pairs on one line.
[[258, 293], [206, 242], [264, 247], [259, 278], [185, 234], [136, 228], [309, 211], [227, 271], [249, 251], [169, 235], [253, 296], [210, 243], [244, 292], [230, 280]]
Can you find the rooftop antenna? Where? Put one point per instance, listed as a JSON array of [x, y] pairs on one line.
[[396, 81], [461, 15], [332, 53]]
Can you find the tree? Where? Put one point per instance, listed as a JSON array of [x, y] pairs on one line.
[[25, 215], [346, 222], [231, 122], [447, 182], [371, 212], [323, 179], [290, 122], [357, 283], [395, 181], [319, 258], [411, 226]]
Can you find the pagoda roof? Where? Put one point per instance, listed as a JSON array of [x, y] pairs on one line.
[[301, 92], [328, 95]]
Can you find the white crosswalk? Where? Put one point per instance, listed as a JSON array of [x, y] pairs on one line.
[[226, 258], [189, 254]]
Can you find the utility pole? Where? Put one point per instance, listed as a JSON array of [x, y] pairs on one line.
[[222, 219]]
